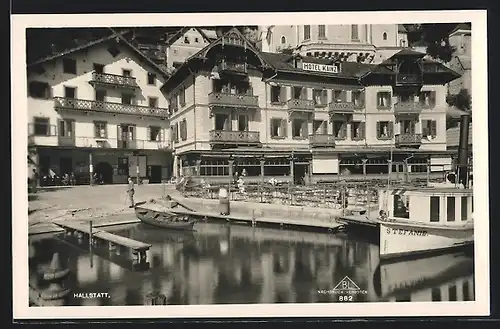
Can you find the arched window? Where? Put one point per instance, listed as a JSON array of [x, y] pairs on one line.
[[384, 36], [283, 40]]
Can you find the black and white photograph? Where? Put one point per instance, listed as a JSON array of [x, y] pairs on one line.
[[221, 169]]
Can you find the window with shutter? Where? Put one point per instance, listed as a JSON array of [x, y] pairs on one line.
[[284, 126], [303, 93], [432, 100], [305, 130], [275, 94], [433, 129], [362, 130], [391, 129], [425, 128], [283, 94]]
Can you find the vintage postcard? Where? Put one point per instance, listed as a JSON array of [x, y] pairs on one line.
[[250, 165]]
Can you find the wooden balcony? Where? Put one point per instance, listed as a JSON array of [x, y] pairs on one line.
[[113, 81], [406, 79], [233, 100], [408, 140], [322, 140], [300, 105], [88, 106], [402, 108], [232, 68], [234, 137], [341, 108]]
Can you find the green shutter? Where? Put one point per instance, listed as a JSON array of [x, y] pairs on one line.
[[282, 94], [362, 130], [378, 129]]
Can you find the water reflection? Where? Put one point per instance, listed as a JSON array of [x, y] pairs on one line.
[[238, 264]]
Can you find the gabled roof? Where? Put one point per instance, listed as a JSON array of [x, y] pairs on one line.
[[202, 53], [118, 36], [183, 31]]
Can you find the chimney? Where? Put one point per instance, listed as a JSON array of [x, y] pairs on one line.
[[463, 150]]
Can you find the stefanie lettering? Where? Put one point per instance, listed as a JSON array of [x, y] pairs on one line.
[[400, 231]]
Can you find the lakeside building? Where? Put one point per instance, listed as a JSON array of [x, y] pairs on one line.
[[460, 39], [234, 107], [366, 43], [169, 50], [99, 108]]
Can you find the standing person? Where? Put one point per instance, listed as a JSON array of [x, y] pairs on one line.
[[131, 191], [34, 181]]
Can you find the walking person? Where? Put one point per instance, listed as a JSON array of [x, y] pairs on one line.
[[131, 191]]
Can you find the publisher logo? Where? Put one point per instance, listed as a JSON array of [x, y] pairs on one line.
[[346, 290]]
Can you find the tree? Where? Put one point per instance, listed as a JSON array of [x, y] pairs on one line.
[[462, 100], [435, 37]]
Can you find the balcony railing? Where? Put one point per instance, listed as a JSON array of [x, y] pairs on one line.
[[98, 143], [303, 105], [341, 107], [408, 79], [322, 140], [233, 67], [234, 137], [113, 80], [66, 140], [233, 100], [408, 107], [408, 140], [71, 104]]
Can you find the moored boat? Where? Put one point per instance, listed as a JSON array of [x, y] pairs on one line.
[[164, 218], [428, 219]]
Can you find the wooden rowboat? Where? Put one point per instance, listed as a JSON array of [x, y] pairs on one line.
[[164, 219]]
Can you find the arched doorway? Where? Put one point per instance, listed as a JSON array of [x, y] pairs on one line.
[[106, 171]]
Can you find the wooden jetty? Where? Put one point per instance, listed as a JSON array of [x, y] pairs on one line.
[[96, 237], [304, 222]]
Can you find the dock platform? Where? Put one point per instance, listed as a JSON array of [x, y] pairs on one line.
[[310, 223], [115, 242]]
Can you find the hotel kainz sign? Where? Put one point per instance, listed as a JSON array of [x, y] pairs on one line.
[[321, 67]]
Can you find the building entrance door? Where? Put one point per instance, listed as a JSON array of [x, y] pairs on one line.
[[155, 175], [65, 166]]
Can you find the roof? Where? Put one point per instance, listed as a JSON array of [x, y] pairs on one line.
[[461, 27], [465, 61], [119, 36], [182, 31], [453, 136], [283, 62], [454, 112], [210, 34]]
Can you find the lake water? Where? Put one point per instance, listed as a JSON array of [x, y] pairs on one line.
[[221, 263]]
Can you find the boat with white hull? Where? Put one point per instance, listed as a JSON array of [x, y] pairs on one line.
[[420, 220]]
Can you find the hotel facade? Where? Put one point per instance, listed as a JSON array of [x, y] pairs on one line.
[[294, 117], [99, 109]]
